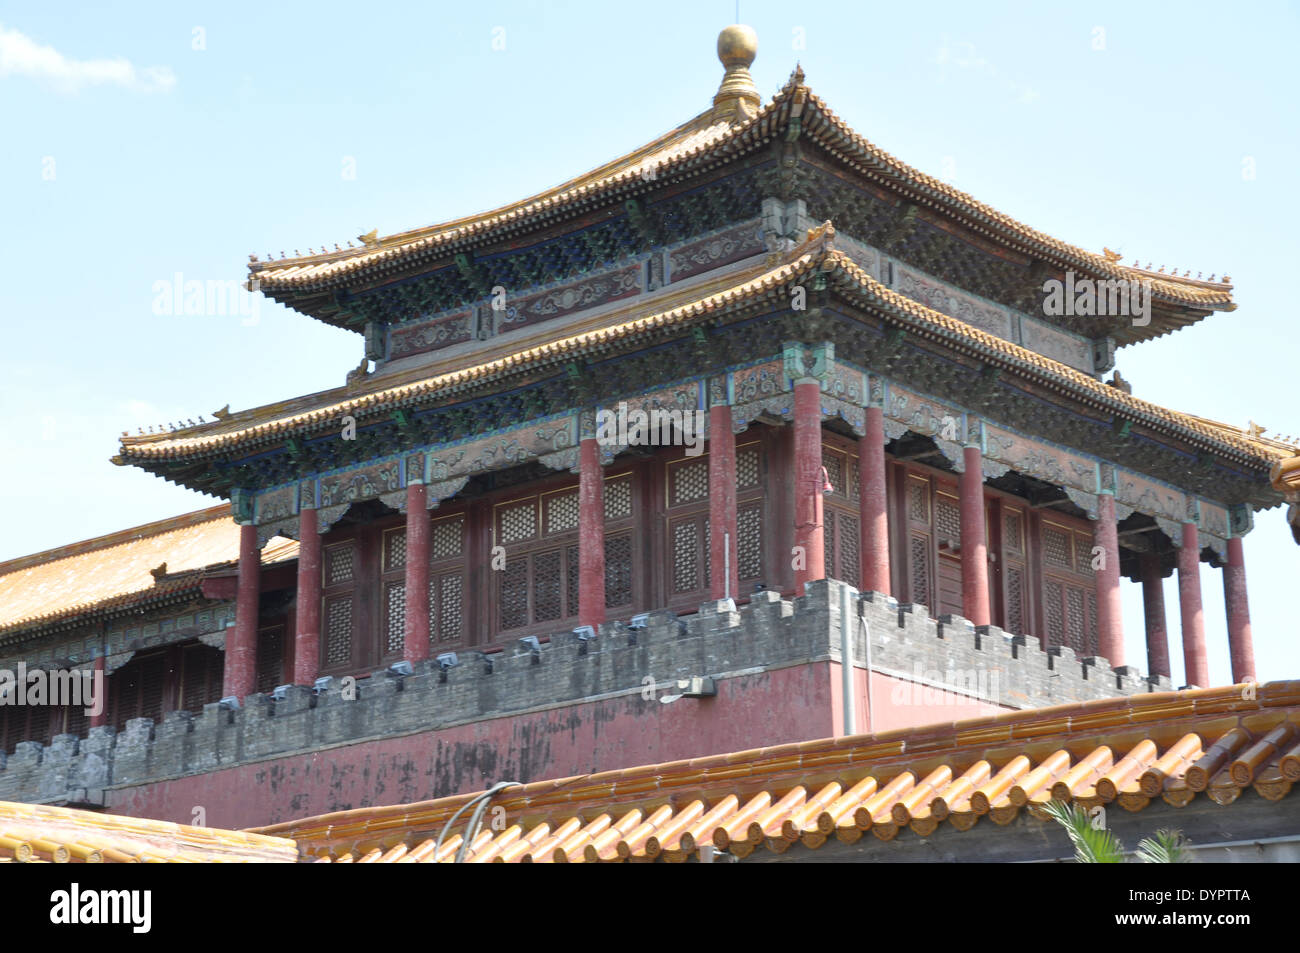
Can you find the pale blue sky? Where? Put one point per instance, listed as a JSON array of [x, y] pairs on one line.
[[114, 177]]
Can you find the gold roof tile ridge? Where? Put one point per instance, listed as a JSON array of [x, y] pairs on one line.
[[943, 190], [133, 534], [1033, 358]]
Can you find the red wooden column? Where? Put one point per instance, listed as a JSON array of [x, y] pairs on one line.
[[306, 642], [722, 505], [591, 535], [1110, 617], [1153, 606], [240, 674], [974, 540], [1195, 664], [809, 529], [419, 531], [1234, 599], [873, 504], [101, 686]]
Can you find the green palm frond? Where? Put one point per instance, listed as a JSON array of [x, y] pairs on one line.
[[1166, 847], [1092, 845]]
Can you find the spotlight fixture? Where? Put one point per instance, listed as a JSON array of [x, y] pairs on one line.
[[697, 686]]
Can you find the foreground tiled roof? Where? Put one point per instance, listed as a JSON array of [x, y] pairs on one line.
[[320, 413], [701, 144], [34, 833], [939, 780], [117, 570]]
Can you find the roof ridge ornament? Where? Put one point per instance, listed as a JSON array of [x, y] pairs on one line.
[[737, 99]]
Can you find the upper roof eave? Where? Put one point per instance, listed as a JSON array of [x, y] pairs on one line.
[[266, 427], [677, 153]]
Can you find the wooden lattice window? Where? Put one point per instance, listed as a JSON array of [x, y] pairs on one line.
[[618, 571], [40, 723], [618, 498], [919, 569], [447, 623], [840, 517], [538, 587], [1069, 586], [687, 549], [136, 689], [342, 618], [621, 557], [843, 541], [749, 541], [202, 668], [947, 521], [750, 509], [392, 601], [364, 598], [1015, 588], [270, 658]]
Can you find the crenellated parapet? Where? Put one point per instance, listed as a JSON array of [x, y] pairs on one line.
[[640, 663]]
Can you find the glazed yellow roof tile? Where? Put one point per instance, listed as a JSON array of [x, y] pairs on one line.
[[34, 833], [938, 780], [1285, 475], [320, 412], [690, 139], [823, 125], [120, 568], [700, 143]]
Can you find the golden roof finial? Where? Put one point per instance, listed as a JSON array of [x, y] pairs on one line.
[[737, 98]]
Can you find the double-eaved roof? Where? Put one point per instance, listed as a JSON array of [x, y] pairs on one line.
[[703, 143], [323, 284], [666, 313]]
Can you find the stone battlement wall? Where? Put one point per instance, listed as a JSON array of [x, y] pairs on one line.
[[621, 674]]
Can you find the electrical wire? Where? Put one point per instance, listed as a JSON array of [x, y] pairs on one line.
[[479, 801]]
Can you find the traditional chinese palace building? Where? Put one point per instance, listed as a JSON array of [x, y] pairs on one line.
[[900, 441]]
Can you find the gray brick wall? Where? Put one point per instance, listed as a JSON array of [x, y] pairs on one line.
[[769, 633]]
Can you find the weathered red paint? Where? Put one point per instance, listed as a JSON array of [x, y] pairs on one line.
[[722, 505], [591, 535], [419, 529], [769, 708], [766, 709], [974, 545], [306, 643], [101, 680], [1195, 664], [873, 504], [1110, 618], [241, 644], [903, 703], [1153, 605], [809, 531], [1240, 644]]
